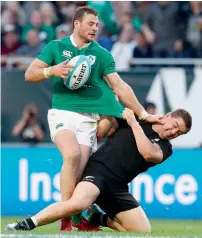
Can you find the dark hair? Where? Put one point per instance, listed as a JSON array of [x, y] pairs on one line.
[[185, 116], [81, 11], [149, 104]]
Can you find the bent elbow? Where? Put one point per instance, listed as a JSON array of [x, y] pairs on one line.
[[147, 156], [152, 157]]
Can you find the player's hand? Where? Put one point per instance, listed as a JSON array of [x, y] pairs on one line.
[[154, 118], [61, 70], [129, 116]]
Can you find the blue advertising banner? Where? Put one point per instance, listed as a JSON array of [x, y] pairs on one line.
[[172, 189], [30, 181]]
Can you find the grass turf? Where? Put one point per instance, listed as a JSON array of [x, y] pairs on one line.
[[159, 228]]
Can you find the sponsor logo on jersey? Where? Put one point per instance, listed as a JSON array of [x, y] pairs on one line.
[[67, 54], [91, 59], [59, 125], [155, 140], [87, 86], [89, 178]]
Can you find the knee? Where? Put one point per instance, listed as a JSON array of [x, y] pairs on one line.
[[78, 207], [143, 228], [72, 157], [146, 228], [104, 126]]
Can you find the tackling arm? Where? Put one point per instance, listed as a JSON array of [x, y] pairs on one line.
[[151, 152]]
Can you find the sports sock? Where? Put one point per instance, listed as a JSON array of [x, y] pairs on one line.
[[29, 223], [77, 218], [99, 219], [34, 221]]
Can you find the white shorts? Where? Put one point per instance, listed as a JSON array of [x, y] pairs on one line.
[[83, 125]]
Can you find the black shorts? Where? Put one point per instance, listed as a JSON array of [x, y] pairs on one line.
[[114, 194]]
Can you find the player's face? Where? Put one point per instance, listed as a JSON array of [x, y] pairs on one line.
[[172, 127], [88, 27]]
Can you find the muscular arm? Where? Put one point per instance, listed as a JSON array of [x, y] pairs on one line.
[[124, 93], [34, 73], [151, 152]]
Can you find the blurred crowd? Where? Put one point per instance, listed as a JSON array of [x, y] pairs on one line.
[[128, 29], [29, 128]]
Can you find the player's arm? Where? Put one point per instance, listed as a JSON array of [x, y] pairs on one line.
[[39, 71], [151, 152], [126, 95], [43, 67], [35, 72], [107, 126], [124, 92]]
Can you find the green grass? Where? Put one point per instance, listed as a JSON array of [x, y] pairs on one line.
[[159, 228]]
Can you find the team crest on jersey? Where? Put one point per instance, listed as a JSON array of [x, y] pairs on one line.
[[91, 59], [155, 140], [67, 54]]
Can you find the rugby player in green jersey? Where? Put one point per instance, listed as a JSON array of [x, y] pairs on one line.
[[74, 114]]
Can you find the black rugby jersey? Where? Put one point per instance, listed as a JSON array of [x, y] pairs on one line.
[[120, 154]]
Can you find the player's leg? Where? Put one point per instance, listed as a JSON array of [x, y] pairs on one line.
[[122, 208], [131, 220], [78, 220], [84, 195], [99, 218], [134, 220], [86, 136], [87, 140], [69, 148], [62, 132], [63, 135], [104, 126], [115, 225], [85, 154]]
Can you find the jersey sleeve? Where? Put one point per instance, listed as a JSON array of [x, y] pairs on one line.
[[108, 64], [165, 146], [47, 54]]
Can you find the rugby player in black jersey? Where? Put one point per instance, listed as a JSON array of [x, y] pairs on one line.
[[132, 149]]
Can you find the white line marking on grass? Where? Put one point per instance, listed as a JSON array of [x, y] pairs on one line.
[[83, 236]]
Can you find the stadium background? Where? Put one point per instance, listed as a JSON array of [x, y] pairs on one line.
[[157, 49]]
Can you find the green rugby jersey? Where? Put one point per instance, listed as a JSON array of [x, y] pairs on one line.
[[95, 96]]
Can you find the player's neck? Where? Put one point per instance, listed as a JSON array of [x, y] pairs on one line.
[[80, 43], [156, 127]]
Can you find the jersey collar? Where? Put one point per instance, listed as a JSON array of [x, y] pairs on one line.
[[74, 43]]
